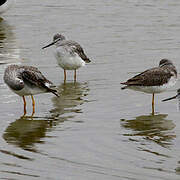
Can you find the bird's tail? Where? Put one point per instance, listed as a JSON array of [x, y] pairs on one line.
[[53, 91], [50, 87], [87, 60], [124, 87]]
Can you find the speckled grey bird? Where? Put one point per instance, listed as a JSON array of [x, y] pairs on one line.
[[27, 81], [69, 54], [154, 80]]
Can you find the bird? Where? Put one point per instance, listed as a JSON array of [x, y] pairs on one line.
[[27, 81], [5, 5], [174, 97], [154, 80], [69, 54]]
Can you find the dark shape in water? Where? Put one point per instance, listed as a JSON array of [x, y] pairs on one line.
[[71, 96], [151, 127]]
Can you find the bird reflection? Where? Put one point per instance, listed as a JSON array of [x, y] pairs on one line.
[[71, 96], [28, 131], [154, 128], [8, 46], [177, 169], [24, 132]]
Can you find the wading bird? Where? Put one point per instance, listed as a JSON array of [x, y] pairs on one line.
[[27, 81], [69, 54], [154, 80]]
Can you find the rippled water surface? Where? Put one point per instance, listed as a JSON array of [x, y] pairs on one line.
[[94, 130]]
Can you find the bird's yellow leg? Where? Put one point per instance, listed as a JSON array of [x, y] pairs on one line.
[[64, 75], [153, 104], [24, 100], [33, 105], [75, 75]]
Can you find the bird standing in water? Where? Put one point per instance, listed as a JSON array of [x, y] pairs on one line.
[[27, 81], [154, 80], [69, 54]]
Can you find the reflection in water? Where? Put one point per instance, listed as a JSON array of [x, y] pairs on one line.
[[71, 95], [8, 47], [154, 128], [25, 132], [177, 169]]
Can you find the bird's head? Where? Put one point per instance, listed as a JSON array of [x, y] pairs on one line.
[[57, 38], [164, 62]]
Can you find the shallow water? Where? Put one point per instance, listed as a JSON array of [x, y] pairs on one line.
[[94, 130]]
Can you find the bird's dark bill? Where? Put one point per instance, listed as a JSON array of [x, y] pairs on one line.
[[174, 97], [51, 44], [48, 45]]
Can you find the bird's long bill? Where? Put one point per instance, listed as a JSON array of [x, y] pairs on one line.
[[174, 97], [51, 44], [48, 45]]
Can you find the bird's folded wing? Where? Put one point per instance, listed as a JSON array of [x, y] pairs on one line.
[[76, 47], [34, 78], [151, 77], [38, 80]]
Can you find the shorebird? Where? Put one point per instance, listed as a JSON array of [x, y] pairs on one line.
[[5, 5], [154, 80], [174, 97], [69, 54], [27, 81]]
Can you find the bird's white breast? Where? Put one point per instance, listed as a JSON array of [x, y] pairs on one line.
[[26, 91], [67, 60]]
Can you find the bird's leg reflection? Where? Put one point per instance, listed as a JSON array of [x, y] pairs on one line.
[[33, 105], [153, 104], [72, 96], [24, 100], [64, 76], [75, 75]]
